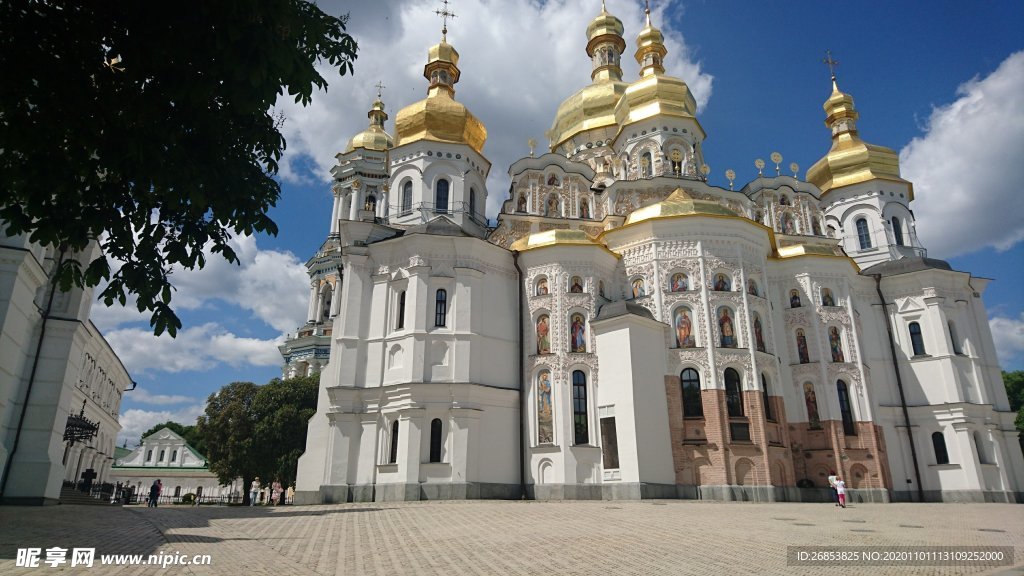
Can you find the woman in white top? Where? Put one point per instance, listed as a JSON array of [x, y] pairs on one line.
[[841, 490]]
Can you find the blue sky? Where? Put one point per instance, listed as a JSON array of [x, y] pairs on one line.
[[937, 82]]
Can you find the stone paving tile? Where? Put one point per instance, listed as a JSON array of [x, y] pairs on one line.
[[647, 538]]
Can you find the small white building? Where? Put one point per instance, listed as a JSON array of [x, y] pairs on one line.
[[165, 456]]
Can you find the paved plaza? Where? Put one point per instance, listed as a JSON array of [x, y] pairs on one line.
[[497, 537]]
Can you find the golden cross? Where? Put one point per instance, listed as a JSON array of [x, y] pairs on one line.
[[831, 63], [380, 86], [445, 14], [532, 144]]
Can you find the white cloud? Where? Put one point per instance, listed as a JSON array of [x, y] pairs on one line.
[[967, 167], [143, 396], [519, 59], [1008, 334], [195, 348], [134, 421]]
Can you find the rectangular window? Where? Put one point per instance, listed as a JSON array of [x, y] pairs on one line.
[[441, 308], [581, 431], [609, 443], [739, 431], [400, 322]]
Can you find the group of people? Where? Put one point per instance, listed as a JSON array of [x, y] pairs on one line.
[[838, 487], [275, 493]]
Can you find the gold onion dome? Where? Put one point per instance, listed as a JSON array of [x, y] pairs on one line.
[[374, 137], [851, 160], [593, 106], [553, 238], [439, 117], [679, 203], [654, 94]]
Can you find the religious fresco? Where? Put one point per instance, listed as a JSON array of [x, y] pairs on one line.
[[638, 288], [553, 180], [758, 333], [728, 339], [577, 334], [542, 286], [835, 343], [543, 335], [584, 209], [576, 286], [521, 204], [794, 298], [826, 297], [680, 283], [787, 224], [801, 347], [551, 208], [545, 413], [752, 287], [811, 400], [683, 322], [722, 283]]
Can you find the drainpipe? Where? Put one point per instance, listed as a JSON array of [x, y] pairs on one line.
[[899, 385], [32, 375], [522, 396]]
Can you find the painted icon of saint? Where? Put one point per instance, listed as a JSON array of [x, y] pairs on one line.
[[751, 287], [679, 282], [721, 283], [638, 288], [521, 204], [725, 324], [543, 335], [584, 209], [811, 400], [577, 285], [801, 347], [826, 297], [545, 413], [684, 328], [542, 286], [758, 333], [836, 344], [794, 298], [578, 334]]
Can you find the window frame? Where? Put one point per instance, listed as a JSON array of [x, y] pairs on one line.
[[863, 233], [580, 409], [846, 408], [436, 440], [733, 398], [939, 449], [440, 308], [692, 384], [439, 206], [917, 339]]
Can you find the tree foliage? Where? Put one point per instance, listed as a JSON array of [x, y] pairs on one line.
[[149, 127], [188, 432], [1014, 382], [259, 431]]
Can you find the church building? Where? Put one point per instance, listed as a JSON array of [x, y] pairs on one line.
[[627, 330]]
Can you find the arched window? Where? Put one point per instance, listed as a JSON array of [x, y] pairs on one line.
[[435, 440], [472, 202], [162, 454], [579, 407], [400, 322], [393, 453], [177, 491], [954, 338], [693, 407], [844, 408], [441, 308], [174, 456], [149, 455], [863, 235], [646, 165], [406, 197], [768, 414], [897, 231], [917, 339], [441, 197], [939, 445], [733, 395]]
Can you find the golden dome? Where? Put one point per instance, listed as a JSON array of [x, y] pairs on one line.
[[553, 238], [439, 117], [593, 106], [374, 137], [655, 95], [678, 203], [604, 24], [650, 48], [851, 160]]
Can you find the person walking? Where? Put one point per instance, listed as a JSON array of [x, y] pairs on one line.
[[841, 491], [832, 486], [254, 489], [154, 494]]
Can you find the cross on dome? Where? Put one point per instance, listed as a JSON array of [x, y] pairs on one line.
[[380, 86], [830, 63], [445, 14]]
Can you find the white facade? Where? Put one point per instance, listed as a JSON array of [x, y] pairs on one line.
[[627, 330], [75, 372], [165, 456]]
